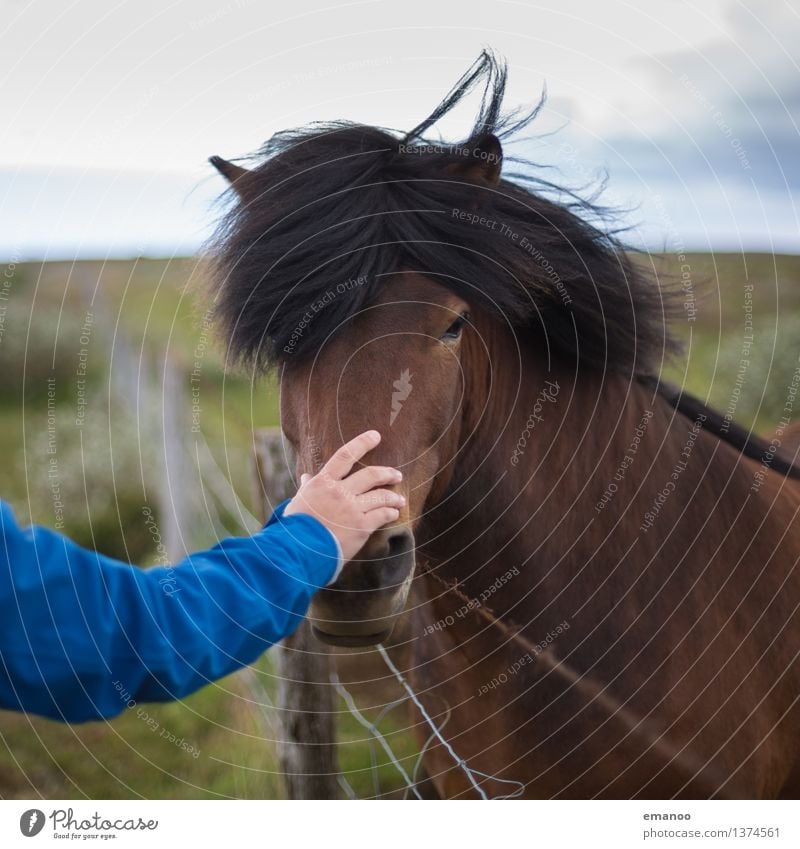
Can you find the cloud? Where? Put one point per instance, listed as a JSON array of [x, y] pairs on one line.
[[709, 157], [732, 109]]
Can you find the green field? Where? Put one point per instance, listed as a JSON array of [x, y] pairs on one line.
[[82, 353]]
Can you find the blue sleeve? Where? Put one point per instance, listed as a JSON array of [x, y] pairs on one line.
[[81, 635]]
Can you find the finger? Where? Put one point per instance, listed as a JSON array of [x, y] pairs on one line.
[[381, 516], [350, 453], [366, 479], [304, 478], [379, 498]]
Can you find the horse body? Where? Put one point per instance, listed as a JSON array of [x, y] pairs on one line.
[[685, 630]]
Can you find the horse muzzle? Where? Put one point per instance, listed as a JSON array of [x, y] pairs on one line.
[[362, 607]]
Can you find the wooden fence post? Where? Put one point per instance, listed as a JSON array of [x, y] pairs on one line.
[[306, 700]]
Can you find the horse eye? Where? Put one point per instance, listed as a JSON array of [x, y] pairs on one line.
[[454, 331]]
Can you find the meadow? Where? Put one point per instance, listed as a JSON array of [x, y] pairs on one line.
[[116, 404]]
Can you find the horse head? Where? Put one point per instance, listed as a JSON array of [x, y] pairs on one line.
[[376, 274]]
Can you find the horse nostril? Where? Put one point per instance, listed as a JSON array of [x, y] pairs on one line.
[[386, 545], [399, 542]]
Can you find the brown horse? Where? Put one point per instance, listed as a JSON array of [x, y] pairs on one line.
[[599, 574]]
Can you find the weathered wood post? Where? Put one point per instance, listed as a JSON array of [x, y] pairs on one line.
[[173, 511], [306, 700]]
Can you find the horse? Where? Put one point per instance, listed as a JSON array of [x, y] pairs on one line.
[[596, 573]]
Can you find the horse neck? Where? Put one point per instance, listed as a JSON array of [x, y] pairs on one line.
[[547, 453]]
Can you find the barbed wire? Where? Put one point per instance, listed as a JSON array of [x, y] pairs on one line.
[[466, 769], [374, 730]]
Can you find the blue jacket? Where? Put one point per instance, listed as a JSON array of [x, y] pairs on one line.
[[82, 634]]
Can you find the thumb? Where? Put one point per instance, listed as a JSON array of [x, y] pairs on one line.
[[304, 479]]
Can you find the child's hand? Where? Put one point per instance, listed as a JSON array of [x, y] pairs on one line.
[[350, 507]]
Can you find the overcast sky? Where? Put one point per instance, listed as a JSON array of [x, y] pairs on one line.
[[111, 109]]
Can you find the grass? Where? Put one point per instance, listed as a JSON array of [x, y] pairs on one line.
[[724, 288]]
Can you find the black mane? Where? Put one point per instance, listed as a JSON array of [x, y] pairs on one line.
[[340, 201]]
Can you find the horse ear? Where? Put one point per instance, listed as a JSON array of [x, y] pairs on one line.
[[236, 175], [484, 162]]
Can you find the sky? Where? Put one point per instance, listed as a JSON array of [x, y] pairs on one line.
[[110, 110]]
